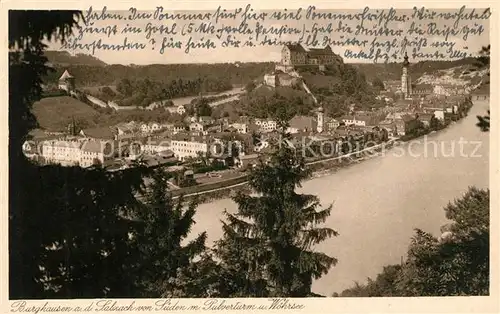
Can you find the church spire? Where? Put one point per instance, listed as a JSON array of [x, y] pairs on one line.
[[406, 62]]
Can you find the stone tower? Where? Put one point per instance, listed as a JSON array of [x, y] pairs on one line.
[[406, 79], [321, 120], [67, 82]]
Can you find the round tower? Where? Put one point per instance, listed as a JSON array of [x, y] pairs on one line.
[[321, 120]]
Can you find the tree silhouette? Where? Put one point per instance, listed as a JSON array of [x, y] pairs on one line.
[[267, 245], [163, 226], [68, 227]]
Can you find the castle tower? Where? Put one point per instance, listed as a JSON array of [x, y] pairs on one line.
[[321, 120], [406, 79], [67, 82]]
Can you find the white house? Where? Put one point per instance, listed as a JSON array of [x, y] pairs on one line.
[[196, 126], [156, 147], [270, 79], [353, 120], [76, 153], [188, 147], [240, 127], [332, 124], [66, 153], [261, 145], [181, 109], [150, 127], [266, 126], [95, 152]]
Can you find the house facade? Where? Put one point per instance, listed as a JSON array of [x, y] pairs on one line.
[[266, 126], [76, 153], [188, 147]]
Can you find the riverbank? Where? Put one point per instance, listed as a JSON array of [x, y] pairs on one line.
[[378, 203], [319, 168], [323, 167]]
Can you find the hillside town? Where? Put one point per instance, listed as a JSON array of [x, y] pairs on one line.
[[207, 179], [228, 145]]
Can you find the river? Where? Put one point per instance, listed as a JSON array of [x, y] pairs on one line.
[[378, 202], [187, 100]]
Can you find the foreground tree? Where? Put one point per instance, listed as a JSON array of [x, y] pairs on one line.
[[455, 264], [68, 231], [484, 122], [267, 247], [484, 58], [164, 225]]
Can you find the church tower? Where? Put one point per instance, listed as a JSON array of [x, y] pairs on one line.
[[406, 79], [321, 120]]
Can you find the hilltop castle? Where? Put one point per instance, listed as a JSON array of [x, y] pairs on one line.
[[293, 55]]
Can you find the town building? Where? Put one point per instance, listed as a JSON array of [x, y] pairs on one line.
[[95, 153], [76, 152], [296, 54], [278, 78], [156, 147], [178, 128], [184, 147], [181, 109], [332, 124], [126, 129], [240, 127], [100, 133], [150, 127], [355, 120], [265, 125], [406, 124], [422, 90], [293, 55], [449, 89], [196, 126], [301, 124], [425, 118]]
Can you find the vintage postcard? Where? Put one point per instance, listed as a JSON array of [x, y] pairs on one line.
[[249, 157]]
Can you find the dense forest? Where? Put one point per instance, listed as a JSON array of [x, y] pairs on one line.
[[90, 75], [265, 102], [340, 86], [143, 92]]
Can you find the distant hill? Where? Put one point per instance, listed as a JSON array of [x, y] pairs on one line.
[[64, 58], [392, 71], [92, 75], [459, 75]]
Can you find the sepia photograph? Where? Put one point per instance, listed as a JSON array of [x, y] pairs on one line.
[[239, 152]]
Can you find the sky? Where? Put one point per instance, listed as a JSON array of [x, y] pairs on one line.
[[269, 53]]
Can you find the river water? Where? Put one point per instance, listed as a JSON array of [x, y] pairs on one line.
[[378, 202], [187, 100]]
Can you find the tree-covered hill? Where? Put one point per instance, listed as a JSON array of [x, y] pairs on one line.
[[64, 58], [392, 71], [88, 75], [339, 86]]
